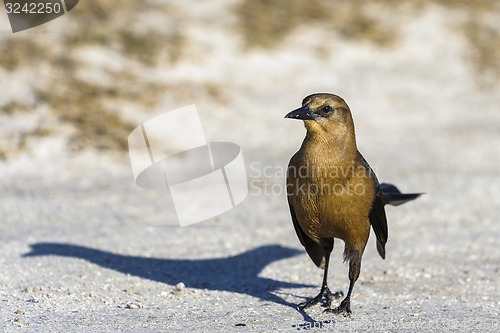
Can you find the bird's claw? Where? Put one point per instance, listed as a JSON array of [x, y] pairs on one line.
[[344, 308], [311, 302], [324, 293]]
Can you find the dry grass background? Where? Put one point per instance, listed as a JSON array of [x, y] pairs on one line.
[[125, 33]]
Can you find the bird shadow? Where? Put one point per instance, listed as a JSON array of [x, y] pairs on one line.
[[239, 273]]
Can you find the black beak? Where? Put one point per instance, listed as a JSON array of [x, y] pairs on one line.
[[302, 113]]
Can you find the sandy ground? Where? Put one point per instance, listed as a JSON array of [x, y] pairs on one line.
[[83, 249]]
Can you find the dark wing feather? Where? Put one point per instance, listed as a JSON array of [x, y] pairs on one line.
[[378, 221], [315, 251], [377, 217]]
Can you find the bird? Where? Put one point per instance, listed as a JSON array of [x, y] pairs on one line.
[[333, 193]]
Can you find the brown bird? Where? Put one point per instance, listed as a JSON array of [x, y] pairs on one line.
[[333, 192]]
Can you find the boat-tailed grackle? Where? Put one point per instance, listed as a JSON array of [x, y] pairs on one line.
[[333, 192]]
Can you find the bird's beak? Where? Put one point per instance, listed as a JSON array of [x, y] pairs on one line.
[[301, 113]]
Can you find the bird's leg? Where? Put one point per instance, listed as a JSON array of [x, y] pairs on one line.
[[345, 305], [324, 292], [354, 269]]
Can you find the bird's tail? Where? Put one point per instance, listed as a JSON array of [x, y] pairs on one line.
[[392, 196]]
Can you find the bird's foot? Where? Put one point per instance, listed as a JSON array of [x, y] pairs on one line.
[[344, 308], [324, 293]]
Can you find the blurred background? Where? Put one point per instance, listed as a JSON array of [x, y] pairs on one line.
[[422, 79], [90, 77]]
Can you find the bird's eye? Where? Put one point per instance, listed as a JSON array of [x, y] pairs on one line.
[[326, 109]]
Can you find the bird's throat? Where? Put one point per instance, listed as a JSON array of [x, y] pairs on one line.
[[336, 145]]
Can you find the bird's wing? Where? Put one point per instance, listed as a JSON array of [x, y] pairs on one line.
[[378, 221], [377, 217], [315, 251]]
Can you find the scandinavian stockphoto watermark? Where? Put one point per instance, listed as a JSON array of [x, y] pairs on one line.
[[269, 180], [26, 14], [404, 325], [170, 152], [205, 179]]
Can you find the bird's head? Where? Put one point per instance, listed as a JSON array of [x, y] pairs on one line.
[[326, 115]]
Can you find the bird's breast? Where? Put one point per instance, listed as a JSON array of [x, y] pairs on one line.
[[328, 197]]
